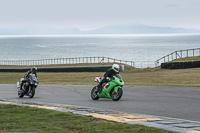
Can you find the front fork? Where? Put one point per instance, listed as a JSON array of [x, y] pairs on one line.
[[116, 89]]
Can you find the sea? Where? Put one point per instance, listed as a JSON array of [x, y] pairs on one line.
[[139, 48]]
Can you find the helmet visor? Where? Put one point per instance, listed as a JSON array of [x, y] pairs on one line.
[[117, 69]]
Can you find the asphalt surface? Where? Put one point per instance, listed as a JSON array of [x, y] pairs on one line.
[[166, 101]]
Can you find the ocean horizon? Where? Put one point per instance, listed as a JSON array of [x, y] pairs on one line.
[[130, 47]]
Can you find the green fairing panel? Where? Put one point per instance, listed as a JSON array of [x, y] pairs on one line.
[[106, 91]]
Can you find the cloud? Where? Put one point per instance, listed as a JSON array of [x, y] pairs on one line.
[[97, 13]]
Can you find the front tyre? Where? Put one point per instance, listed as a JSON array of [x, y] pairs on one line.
[[20, 93], [32, 92], [94, 92], [116, 96]]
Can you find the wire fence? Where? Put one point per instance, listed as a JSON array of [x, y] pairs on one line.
[[79, 60], [144, 64], [178, 54], [58, 61]]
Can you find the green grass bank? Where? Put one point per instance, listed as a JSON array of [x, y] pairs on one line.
[[131, 76], [30, 119]]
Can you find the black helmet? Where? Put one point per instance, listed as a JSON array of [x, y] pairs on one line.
[[34, 69]]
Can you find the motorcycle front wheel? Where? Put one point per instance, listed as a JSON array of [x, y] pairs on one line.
[[116, 96], [94, 92], [20, 93], [32, 92]]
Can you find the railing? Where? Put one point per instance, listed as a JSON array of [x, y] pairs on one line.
[[57, 61], [178, 54], [144, 64], [78, 60]]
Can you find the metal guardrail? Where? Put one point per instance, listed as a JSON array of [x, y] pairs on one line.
[[57, 61], [178, 54]]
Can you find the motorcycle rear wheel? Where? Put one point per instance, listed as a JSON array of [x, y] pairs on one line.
[[94, 92], [116, 96]]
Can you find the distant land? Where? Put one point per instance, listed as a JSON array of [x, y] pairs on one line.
[[117, 29]]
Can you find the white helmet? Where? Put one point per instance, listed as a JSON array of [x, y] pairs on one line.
[[115, 67]]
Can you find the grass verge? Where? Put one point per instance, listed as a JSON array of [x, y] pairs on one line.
[[187, 59], [28, 119], [131, 76]]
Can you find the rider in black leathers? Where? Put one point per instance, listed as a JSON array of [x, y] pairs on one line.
[[25, 78], [109, 74]]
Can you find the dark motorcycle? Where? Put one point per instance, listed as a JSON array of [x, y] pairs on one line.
[[28, 87]]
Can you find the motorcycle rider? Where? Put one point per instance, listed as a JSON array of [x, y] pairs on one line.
[[25, 77], [109, 74]]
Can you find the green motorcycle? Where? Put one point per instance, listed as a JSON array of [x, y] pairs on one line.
[[112, 89]]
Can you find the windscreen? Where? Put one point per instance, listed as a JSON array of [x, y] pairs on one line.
[[118, 76], [32, 75]]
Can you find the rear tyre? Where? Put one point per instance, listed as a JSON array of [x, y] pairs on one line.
[[94, 92], [32, 92], [116, 96]]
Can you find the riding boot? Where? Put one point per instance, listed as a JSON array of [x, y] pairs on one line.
[[100, 89], [20, 85]]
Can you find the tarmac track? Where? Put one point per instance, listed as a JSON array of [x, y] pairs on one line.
[[166, 101]]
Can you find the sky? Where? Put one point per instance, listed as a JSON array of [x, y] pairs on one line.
[[94, 14]]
